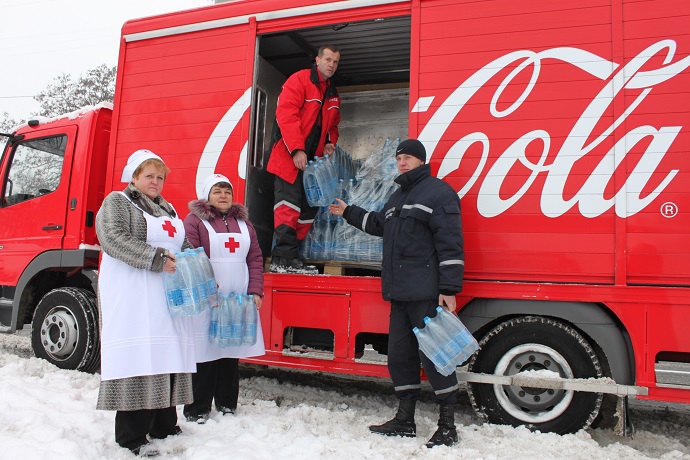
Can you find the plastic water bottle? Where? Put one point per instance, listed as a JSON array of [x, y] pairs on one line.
[[431, 349], [312, 188], [201, 301], [250, 320], [224, 329], [209, 276], [230, 321], [318, 240], [191, 289], [333, 173], [214, 328], [459, 333], [179, 300], [324, 179], [450, 349], [327, 231], [237, 320]]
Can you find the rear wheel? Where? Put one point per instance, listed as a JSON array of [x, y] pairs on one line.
[[65, 329], [535, 344]]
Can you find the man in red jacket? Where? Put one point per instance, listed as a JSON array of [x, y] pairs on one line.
[[307, 119]]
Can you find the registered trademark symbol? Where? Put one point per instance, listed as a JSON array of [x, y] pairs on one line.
[[669, 209]]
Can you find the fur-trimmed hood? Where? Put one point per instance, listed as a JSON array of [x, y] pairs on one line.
[[204, 211]]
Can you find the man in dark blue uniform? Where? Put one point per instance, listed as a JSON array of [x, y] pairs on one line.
[[423, 266]]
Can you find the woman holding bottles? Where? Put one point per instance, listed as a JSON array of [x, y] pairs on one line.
[[147, 356], [222, 228]]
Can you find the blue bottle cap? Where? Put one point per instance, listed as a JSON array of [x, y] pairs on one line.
[[415, 330], [439, 308], [426, 320]]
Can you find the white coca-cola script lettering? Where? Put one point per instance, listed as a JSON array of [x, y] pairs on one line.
[[590, 198]]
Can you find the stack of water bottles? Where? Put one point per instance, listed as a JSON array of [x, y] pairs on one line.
[[320, 242], [234, 322], [192, 288], [445, 341], [370, 190], [320, 180], [325, 179]]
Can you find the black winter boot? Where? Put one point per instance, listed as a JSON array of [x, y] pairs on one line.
[[400, 425], [446, 434]]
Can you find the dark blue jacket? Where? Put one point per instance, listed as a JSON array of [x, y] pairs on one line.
[[422, 237]]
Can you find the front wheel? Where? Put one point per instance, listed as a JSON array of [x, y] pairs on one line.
[[65, 329], [534, 343]]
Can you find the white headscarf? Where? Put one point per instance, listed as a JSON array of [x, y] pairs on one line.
[[134, 161], [209, 182]]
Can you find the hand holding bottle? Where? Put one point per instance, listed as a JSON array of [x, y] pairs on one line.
[[337, 208]]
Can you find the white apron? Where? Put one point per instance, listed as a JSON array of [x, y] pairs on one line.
[[229, 259], [138, 336]]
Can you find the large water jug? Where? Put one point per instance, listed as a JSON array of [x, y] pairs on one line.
[[209, 277], [250, 320]]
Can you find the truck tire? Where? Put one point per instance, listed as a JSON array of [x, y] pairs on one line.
[[533, 343], [65, 329]]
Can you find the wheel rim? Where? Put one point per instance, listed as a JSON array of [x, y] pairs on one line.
[[59, 333], [533, 405]]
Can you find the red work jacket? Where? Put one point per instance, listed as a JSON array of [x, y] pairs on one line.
[[298, 107]]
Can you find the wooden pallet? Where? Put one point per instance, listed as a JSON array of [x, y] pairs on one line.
[[340, 267]]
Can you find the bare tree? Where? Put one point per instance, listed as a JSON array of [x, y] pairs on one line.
[[64, 95]]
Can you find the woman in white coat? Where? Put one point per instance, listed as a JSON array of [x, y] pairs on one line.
[[223, 229], [147, 356]]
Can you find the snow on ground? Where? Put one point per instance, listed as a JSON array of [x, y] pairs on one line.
[[50, 413]]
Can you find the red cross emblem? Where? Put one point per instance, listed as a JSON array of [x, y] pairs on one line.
[[232, 244], [170, 228]]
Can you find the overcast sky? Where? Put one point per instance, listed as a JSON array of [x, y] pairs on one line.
[[42, 39]]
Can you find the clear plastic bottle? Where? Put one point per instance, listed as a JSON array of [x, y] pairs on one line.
[[209, 277], [333, 173], [327, 225], [201, 291], [214, 327], [237, 320], [459, 333], [224, 321], [250, 320], [445, 361], [191, 289], [430, 348], [175, 289], [312, 187]]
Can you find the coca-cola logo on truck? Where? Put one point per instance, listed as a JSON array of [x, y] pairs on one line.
[[553, 165]]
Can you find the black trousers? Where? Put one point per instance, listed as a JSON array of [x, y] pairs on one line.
[[292, 217], [219, 380], [131, 427], [405, 357]]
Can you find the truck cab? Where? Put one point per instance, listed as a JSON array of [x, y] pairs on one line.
[[52, 173]]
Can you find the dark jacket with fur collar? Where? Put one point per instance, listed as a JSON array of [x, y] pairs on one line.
[[198, 236]]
